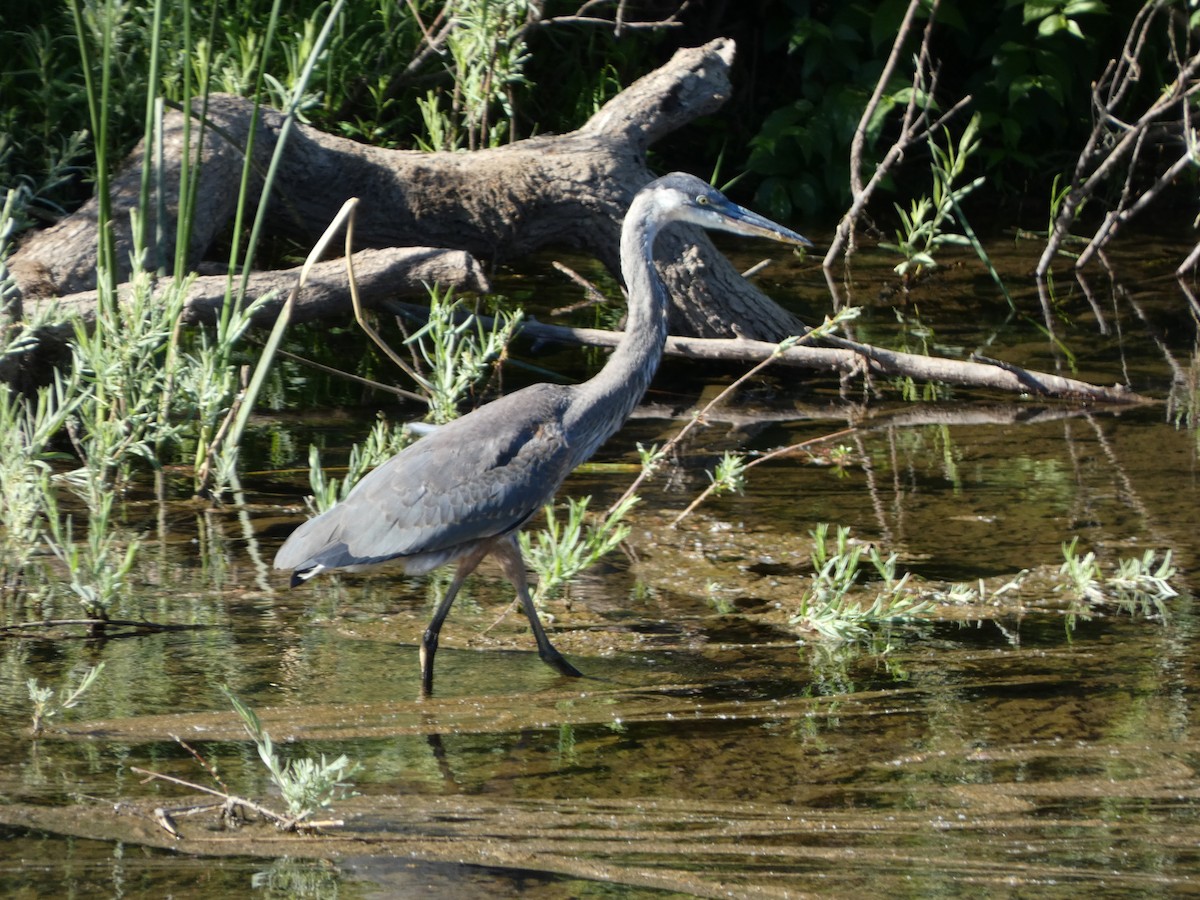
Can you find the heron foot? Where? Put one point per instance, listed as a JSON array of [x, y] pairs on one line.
[[557, 661], [427, 650]]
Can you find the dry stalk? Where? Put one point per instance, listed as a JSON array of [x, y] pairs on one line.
[[773, 454]]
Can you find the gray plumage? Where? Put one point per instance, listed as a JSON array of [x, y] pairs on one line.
[[462, 492]]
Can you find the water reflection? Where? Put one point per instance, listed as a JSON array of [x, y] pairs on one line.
[[714, 751]]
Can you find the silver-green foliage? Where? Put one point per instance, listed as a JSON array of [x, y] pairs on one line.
[[205, 387], [457, 350], [307, 785], [124, 412], [385, 440], [97, 568], [1139, 584], [48, 703], [562, 550], [26, 427], [836, 606]]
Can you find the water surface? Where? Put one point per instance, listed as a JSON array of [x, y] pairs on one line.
[[713, 750]]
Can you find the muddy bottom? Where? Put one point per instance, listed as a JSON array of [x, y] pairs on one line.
[[968, 758], [1011, 744]]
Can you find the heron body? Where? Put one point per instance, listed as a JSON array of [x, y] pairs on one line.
[[463, 491]]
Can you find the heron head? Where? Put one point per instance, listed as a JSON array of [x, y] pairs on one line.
[[686, 198]]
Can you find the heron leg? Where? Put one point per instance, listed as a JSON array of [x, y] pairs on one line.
[[429, 640], [508, 553]]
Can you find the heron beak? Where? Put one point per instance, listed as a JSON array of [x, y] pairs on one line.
[[740, 220]]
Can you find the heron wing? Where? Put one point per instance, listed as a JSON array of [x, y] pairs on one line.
[[472, 479]]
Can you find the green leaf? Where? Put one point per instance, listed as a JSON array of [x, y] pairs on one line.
[[1085, 7], [1035, 12], [955, 240], [1051, 25]]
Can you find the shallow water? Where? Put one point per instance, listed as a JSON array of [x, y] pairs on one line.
[[712, 750]]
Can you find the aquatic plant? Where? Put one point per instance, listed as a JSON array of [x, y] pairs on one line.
[[963, 594], [138, 386], [1140, 585], [307, 785], [559, 552], [27, 425], [456, 350], [125, 381], [384, 440], [923, 227], [99, 566], [729, 474], [48, 703], [827, 606]]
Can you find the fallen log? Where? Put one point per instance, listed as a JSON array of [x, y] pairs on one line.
[[848, 358], [499, 204], [380, 274]]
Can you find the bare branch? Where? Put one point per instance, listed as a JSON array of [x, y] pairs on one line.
[[858, 144], [915, 127], [848, 357], [1103, 155]]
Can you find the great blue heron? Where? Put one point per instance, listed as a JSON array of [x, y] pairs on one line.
[[464, 490]]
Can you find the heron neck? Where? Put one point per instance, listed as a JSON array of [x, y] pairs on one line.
[[604, 402]]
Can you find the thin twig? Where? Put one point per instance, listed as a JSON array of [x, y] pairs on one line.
[[204, 764], [595, 295], [773, 454], [1118, 78], [859, 141], [285, 823], [350, 376], [366, 326], [915, 126], [240, 801]]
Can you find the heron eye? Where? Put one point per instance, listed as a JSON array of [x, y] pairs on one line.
[[702, 200]]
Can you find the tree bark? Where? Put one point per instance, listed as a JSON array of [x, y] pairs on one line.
[[567, 190], [499, 204]]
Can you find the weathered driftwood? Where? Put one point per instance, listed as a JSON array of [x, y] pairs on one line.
[[567, 190], [380, 275]]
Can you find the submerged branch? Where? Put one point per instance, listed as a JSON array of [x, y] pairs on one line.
[[134, 626], [284, 823]]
